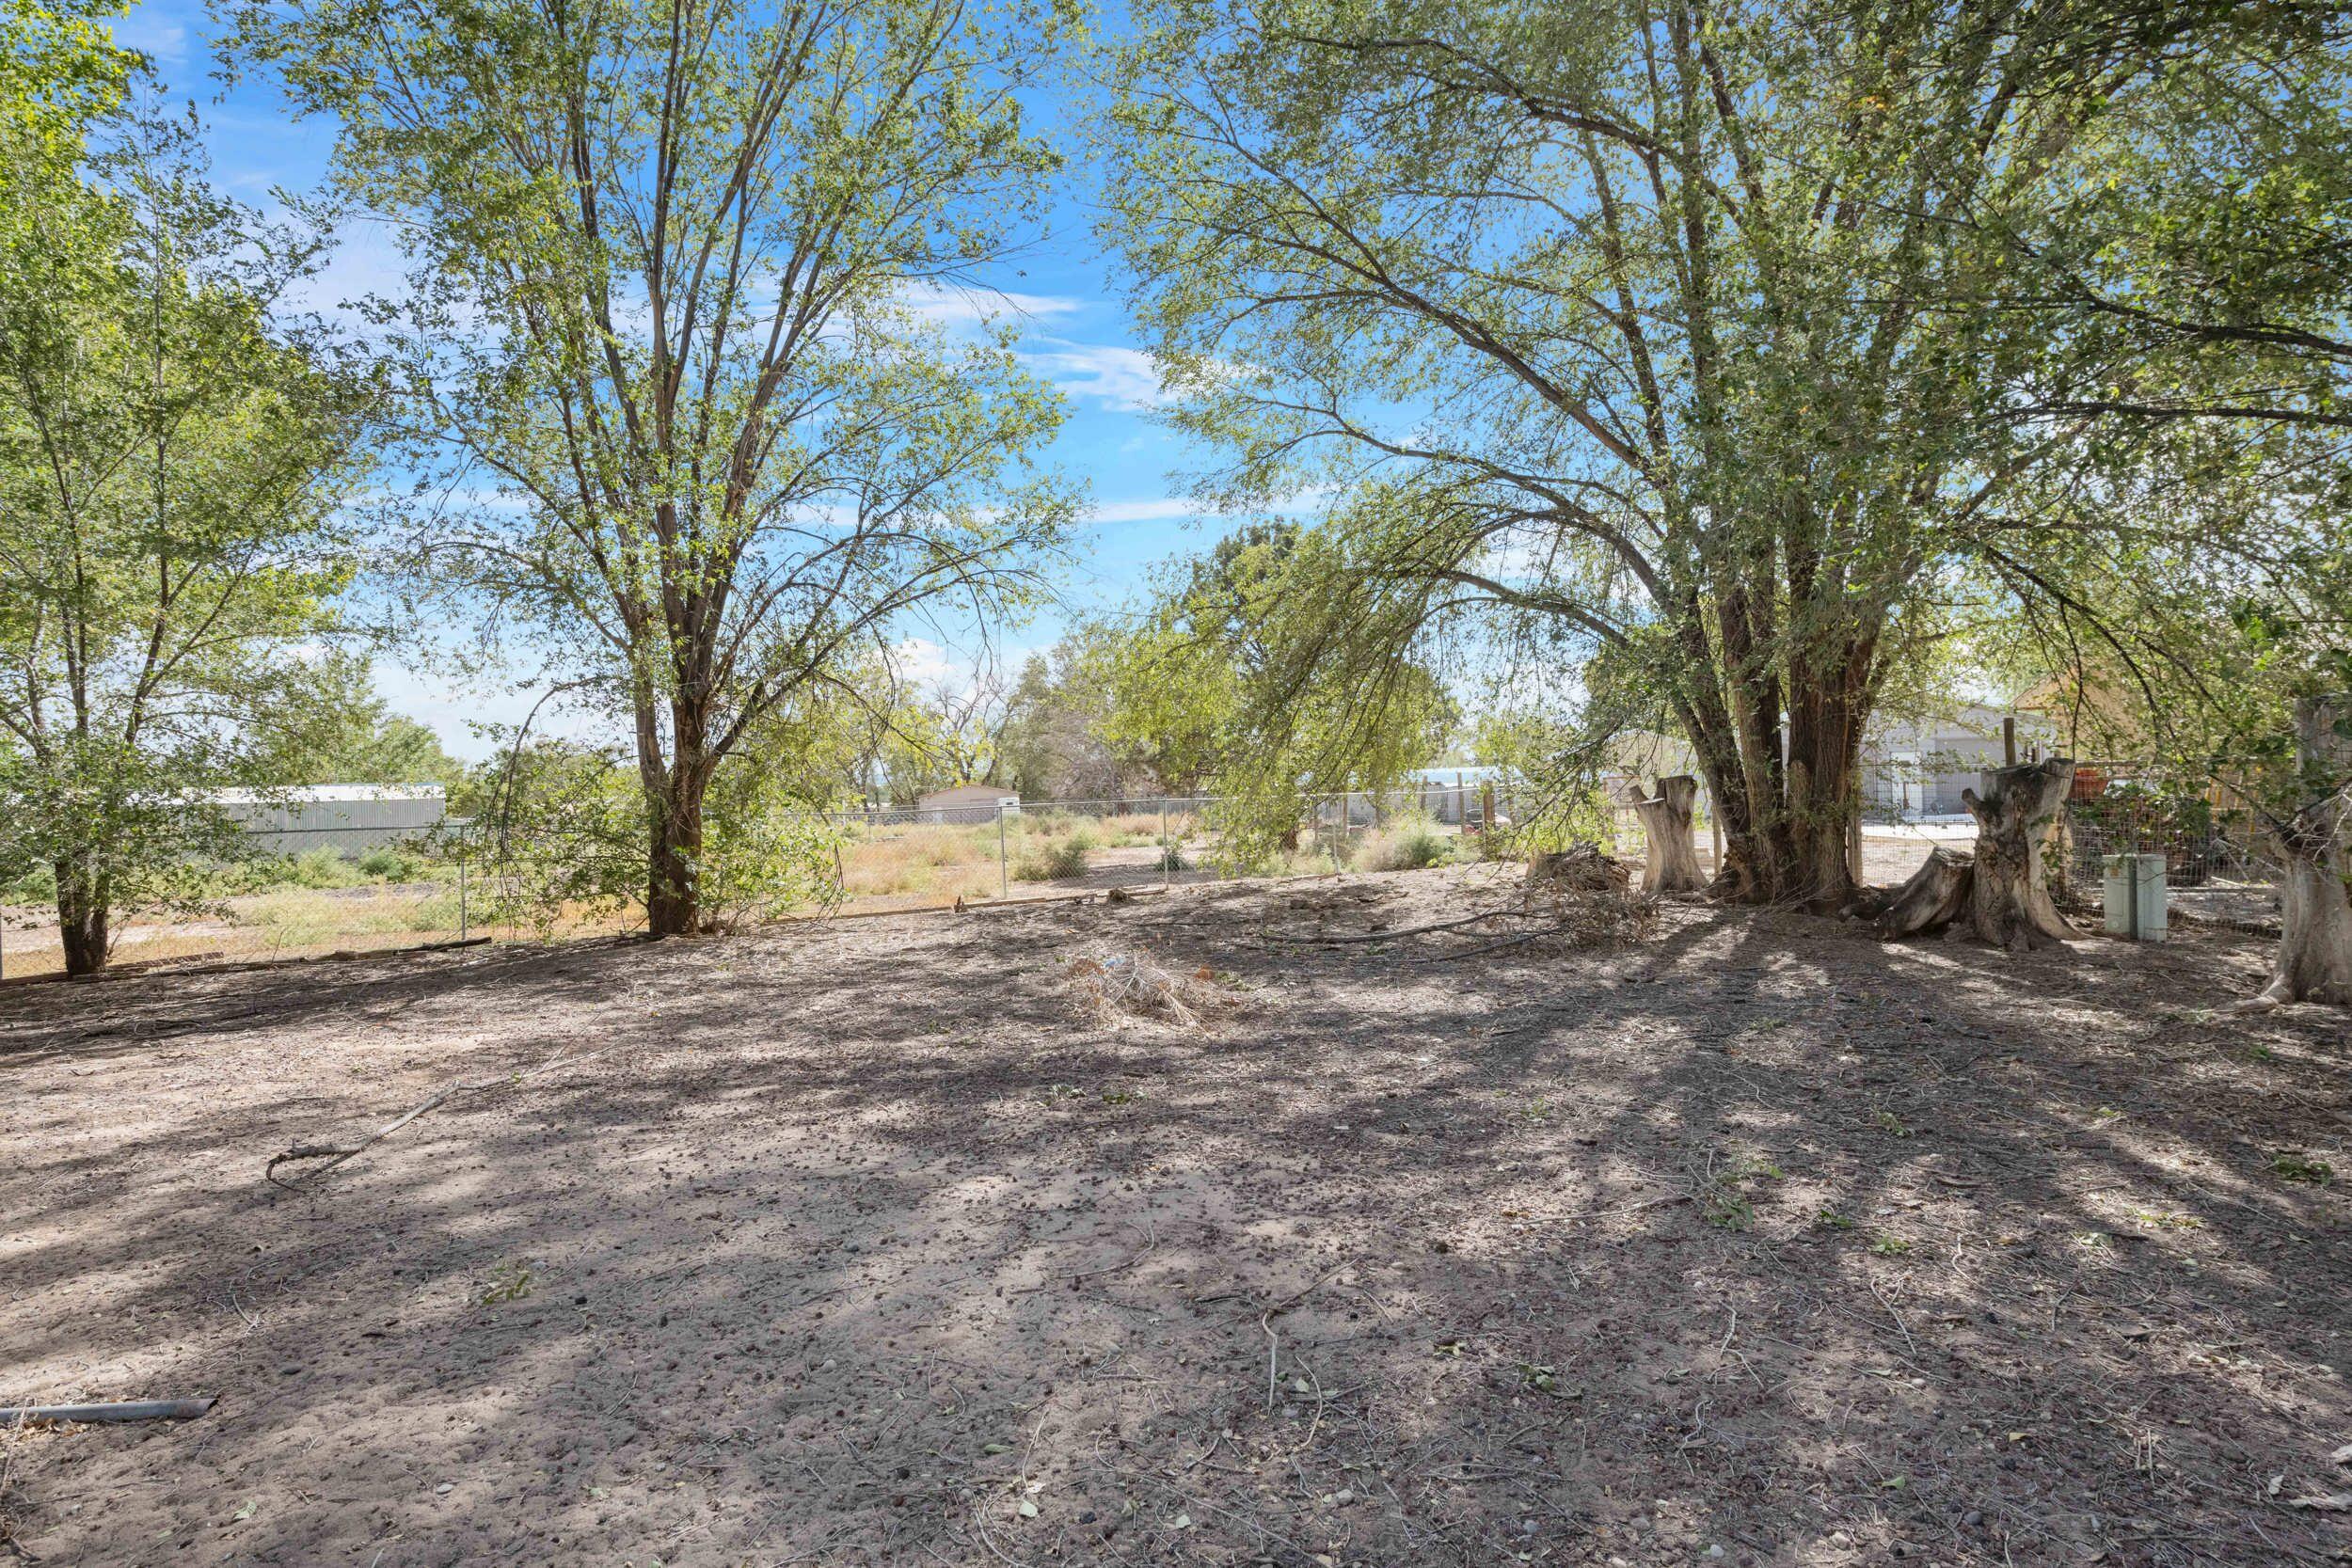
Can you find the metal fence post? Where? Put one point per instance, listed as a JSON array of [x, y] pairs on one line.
[[461, 889], [1168, 864], [1004, 873]]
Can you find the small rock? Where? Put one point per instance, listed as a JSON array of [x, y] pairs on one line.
[[445, 1488]]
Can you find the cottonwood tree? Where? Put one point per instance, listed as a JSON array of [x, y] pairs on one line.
[[174, 461], [1058, 739], [2313, 827], [1663, 327], [666, 260], [1245, 677]]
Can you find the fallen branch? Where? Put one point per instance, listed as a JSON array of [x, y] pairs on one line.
[[334, 1155], [1520, 941], [117, 1410]]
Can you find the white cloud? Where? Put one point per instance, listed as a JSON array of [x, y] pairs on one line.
[[1163, 509], [164, 43], [957, 307], [925, 663], [452, 707], [365, 260], [1124, 379]]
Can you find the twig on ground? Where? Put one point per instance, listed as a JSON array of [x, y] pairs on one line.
[[334, 1155], [1267, 1315], [1520, 941], [1908, 1340]]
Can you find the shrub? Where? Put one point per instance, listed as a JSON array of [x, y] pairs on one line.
[[36, 886], [1172, 859], [393, 866], [1410, 845], [321, 868], [1056, 859]]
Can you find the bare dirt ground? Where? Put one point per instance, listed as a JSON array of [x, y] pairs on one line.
[[1757, 1242]]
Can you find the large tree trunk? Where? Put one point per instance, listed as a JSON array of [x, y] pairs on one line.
[[2008, 903], [674, 816], [672, 887], [1674, 856], [2314, 903], [83, 917], [1788, 795]]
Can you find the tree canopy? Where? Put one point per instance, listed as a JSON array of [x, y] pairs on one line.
[[1711, 348], [174, 457], [661, 308]]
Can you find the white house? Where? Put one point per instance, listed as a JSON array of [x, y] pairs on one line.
[[966, 802], [1916, 768]]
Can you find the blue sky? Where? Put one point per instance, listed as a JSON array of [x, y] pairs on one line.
[[1073, 327]]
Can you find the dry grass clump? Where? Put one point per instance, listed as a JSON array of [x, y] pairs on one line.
[[1056, 859], [1415, 844], [1114, 987], [943, 860]]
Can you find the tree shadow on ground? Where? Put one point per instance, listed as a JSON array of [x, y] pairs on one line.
[[861, 1245]]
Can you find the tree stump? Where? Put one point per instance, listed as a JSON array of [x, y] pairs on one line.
[[2008, 906], [2314, 905], [1674, 857], [1935, 896]]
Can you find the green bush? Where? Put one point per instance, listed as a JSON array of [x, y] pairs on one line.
[[321, 868], [1056, 859], [393, 866], [1410, 845], [36, 886]]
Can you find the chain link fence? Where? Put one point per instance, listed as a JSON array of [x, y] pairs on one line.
[[301, 892], [319, 890], [307, 891]]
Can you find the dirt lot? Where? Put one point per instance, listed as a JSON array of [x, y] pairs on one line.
[[1757, 1242]]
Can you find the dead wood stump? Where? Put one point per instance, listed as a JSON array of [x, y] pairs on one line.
[[1674, 858], [2008, 901], [1935, 896]]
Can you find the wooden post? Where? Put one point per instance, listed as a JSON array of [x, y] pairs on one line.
[[2009, 741]]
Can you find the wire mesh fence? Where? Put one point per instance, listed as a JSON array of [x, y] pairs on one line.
[[307, 891], [2219, 864], [316, 890], [301, 892]]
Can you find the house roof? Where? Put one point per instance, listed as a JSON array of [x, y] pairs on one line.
[[300, 795]]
